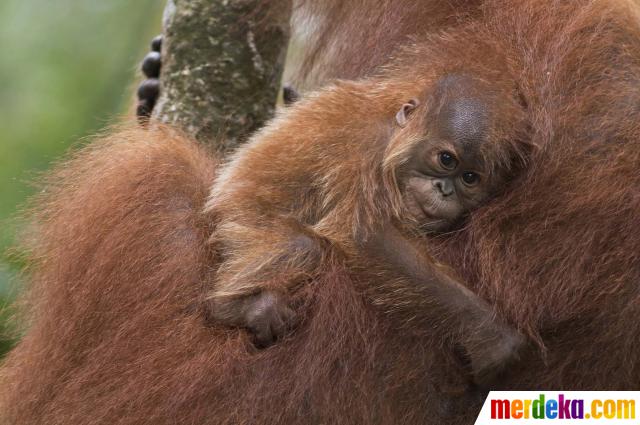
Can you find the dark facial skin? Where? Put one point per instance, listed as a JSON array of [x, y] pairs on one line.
[[448, 175]]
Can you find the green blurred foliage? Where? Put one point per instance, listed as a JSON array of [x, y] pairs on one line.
[[66, 68]]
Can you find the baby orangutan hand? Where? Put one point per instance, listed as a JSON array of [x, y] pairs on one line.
[[268, 316]]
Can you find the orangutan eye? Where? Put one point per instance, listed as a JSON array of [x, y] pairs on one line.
[[447, 160], [470, 178]]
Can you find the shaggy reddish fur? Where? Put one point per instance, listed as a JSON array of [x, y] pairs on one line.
[[117, 336], [559, 255], [349, 39]]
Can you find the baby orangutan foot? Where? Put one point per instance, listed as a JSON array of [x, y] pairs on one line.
[[490, 357], [488, 369], [268, 316]]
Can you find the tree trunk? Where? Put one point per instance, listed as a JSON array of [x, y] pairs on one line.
[[222, 65]]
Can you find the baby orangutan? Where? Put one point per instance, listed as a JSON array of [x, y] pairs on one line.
[[368, 186]]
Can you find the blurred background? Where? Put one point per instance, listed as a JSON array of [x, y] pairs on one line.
[[67, 69]]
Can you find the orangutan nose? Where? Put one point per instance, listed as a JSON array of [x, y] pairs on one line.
[[445, 186]]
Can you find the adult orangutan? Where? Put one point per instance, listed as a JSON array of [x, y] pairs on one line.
[[121, 261]]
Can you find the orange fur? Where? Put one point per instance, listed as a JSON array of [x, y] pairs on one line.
[[118, 335], [301, 190]]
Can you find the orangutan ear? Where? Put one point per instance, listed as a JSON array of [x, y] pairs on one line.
[[403, 114]]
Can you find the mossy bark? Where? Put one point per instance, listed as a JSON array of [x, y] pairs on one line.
[[222, 67]]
